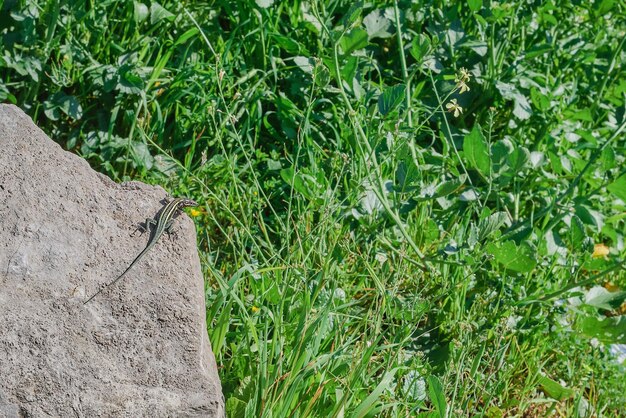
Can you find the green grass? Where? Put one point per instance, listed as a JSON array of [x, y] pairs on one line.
[[369, 248]]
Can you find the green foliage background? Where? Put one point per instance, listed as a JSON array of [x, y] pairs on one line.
[[368, 250]]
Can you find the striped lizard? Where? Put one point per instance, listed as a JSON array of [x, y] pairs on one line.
[[160, 224]]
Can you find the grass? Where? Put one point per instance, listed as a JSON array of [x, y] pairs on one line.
[[377, 239]]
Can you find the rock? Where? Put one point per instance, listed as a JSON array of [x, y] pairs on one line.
[[140, 348]]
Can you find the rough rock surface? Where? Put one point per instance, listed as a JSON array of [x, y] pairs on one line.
[[139, 348]]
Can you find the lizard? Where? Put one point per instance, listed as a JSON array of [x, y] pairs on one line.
[[161, 223]]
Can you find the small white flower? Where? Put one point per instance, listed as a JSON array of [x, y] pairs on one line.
[[381, 258], [454, 107], [465, 75], [462, 79]]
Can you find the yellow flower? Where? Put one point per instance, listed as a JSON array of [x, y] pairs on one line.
[[195, 212], [255, 309], [454, 107], [600, 251]]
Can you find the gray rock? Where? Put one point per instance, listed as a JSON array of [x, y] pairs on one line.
[[140, 348]]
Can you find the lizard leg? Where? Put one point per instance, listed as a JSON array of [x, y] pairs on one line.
[[169, 231], [150, 223]]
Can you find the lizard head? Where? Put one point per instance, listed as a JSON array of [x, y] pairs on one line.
[[184, 202]]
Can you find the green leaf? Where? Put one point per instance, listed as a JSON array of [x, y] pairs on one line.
[[437, 396], [554, 390], [264, 4], [51, 110], [584, 115], [476, 151], [599, 297], [517, 160], [61, 102], [386, 384], [306, 64], [140, 12], [182, 39], [321, 75], [353, 40], [608, 330], [158, 13], [451, 186], [391, 98], [479, 47], [499, 153], [475, 5], [554, 243], [420, 47], [519, 259], [288, 175], [541, 101], [607, 158], [618, 188], [521, 107], [24, 65], [537, 50], [442, 189], [377, 25], [577, 233], [590, 216], [431, 231], [130, 83], [273, 165], [348, 68], [494, 412], [142, 155], [353, 14], [235, 407], [307, 185], [71, 107], [491, 224], [286, 43], [407, 173], [603, 7], [427, 414]]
